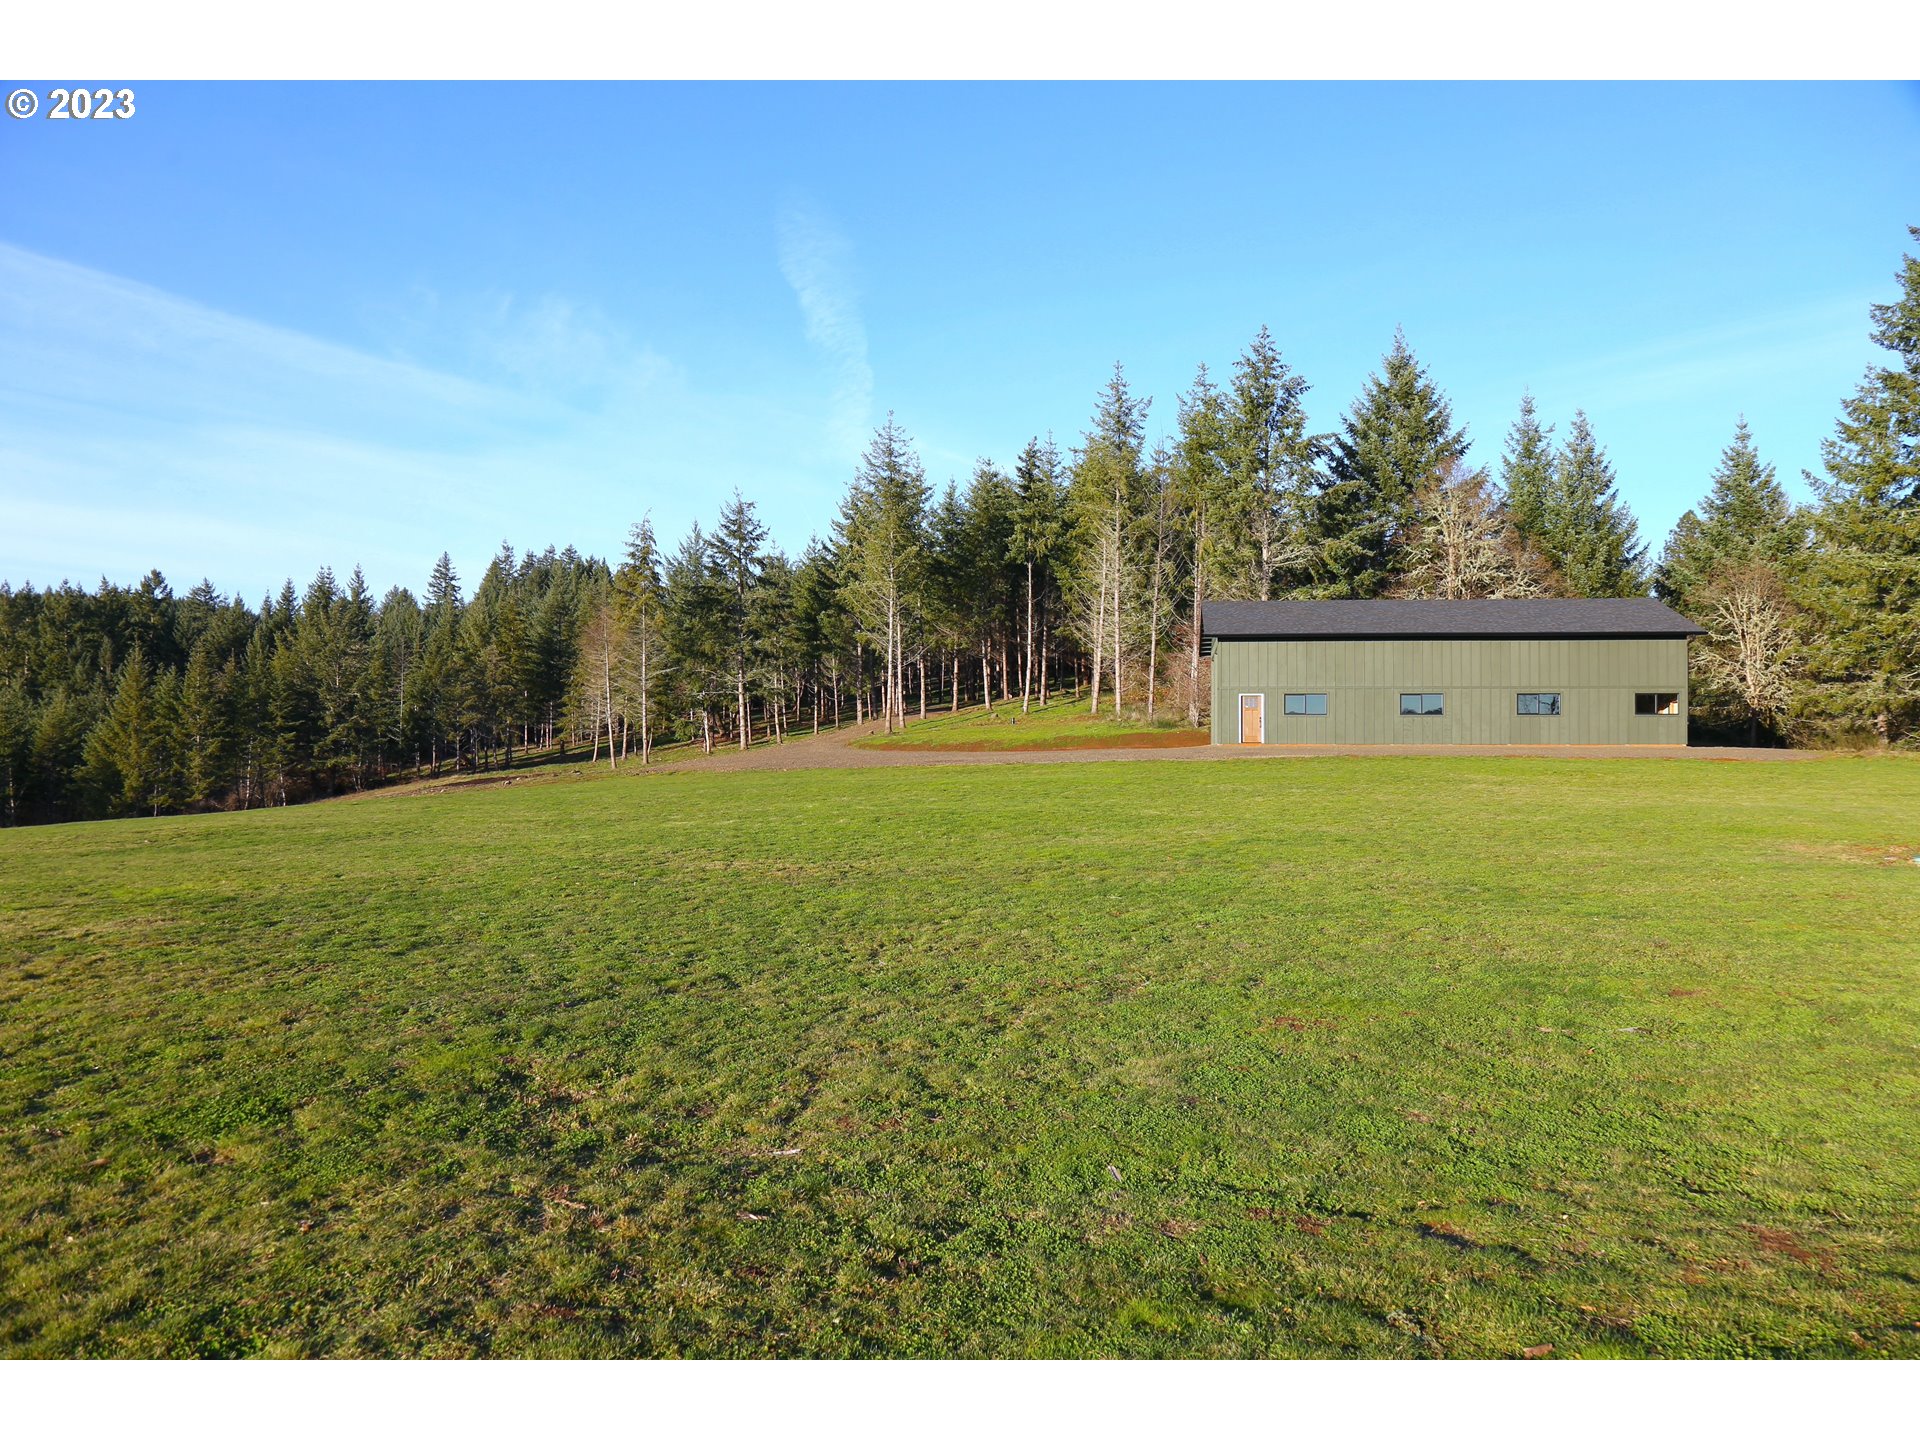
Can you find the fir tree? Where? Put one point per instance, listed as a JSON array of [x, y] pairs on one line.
[[882, 536], [641, 601], [1526, 473], [1270, 468], [127, 750], [1745, 519], [1221, 557], [1105, 501], [1588, 534], [738, 543], [205, 726], [1396, 439], [1035, 533], [1862, 582]]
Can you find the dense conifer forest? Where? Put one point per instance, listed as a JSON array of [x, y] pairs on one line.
[[1081, 567]]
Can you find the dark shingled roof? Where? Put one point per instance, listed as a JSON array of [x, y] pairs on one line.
[[1441, 620]]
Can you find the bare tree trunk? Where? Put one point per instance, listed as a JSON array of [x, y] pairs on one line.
[[1193, 647], [1026, 662], [1043, 660], [1099, 640], [1117, 569]]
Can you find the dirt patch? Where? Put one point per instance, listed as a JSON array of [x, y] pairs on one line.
[[1139, 740], [1785, 1242]]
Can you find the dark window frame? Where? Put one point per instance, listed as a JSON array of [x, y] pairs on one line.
[[1537, 695], [1653, 706], [1439, 697], [1305, 697]]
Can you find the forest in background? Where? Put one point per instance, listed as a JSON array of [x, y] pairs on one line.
[[1082, 569]]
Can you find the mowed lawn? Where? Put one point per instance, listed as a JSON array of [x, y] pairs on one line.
[[1386, 1057], [1061, 724]]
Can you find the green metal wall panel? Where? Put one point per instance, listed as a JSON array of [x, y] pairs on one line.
[[1364, 679]]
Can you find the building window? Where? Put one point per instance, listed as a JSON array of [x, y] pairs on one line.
[[1656, 702], [1305, 705], [1537, 704], [1420, 704]]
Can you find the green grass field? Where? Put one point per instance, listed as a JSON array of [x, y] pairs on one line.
[[1057, 725], [1388, 1057]]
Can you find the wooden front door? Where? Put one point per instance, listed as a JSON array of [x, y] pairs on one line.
[[1253, 719]]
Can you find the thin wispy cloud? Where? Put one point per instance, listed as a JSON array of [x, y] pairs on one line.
[[140, 429], [1811, 340], [817, 260]]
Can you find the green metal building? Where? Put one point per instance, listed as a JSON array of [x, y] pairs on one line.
[[1448, 672]]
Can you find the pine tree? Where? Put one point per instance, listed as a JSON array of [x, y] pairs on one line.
[[399, 638], [738, 556], [127, 751], [1221, 556], [1036, 530], [694, 616], [16, 752], [822, 626], [1745, 519], [1270, 468], [641, 601], [1526, 473], [990, 512], [1105, 502], [1588, 534], [882, 537], [1862, 581], [205, 729], [1397, 438]]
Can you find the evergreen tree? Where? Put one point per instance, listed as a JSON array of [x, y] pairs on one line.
[[1526, 473], [1745, 519], [641, 601], [990, 514], [1034, 534], [1588, 534], [1270, 468], [1862, 581], [882, 537], [738, 557], [822, 627], [127, 750], [205, 726], [694, 613], [1105, 502], [1220, 559], [16, 752], [1397, 438]]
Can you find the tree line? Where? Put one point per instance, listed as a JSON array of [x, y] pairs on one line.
[[1084, 569]]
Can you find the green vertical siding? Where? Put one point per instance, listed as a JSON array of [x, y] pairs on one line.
[[1364, 679]]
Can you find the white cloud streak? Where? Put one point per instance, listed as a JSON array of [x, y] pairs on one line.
[[816, 259], [141, 429]]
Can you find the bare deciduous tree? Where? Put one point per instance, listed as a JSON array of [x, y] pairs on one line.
[[1749, 651], [1463, 547]]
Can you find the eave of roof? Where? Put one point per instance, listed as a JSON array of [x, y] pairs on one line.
[[1628, 619]]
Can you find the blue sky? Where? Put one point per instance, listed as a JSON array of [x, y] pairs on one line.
[[261, 328]]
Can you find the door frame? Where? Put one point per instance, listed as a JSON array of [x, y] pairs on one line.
[[1240, 716]]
